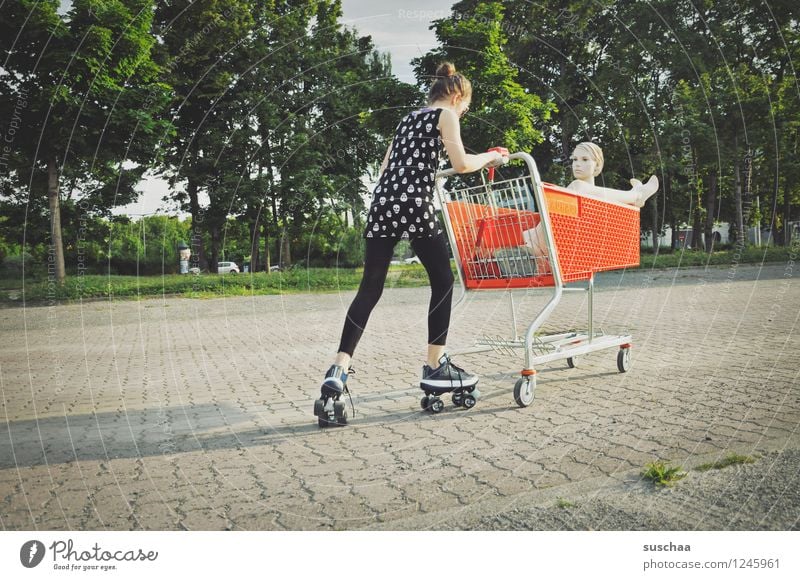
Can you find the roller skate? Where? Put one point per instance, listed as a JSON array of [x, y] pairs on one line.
[[447, 378], [329, 409]]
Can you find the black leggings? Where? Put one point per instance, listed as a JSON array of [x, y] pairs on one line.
[[433, 254]]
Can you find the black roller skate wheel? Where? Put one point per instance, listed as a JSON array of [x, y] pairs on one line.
[[340, 412], [424, 403], [469, 401], [437, 405], [322, 421], [319, 405], [458, 399]]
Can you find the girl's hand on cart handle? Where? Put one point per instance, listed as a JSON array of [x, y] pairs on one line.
[[499, 157], [503, 155]]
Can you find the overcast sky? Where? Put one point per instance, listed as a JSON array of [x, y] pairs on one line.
[[400, 28]]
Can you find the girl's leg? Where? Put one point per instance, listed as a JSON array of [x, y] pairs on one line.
[[435, 258], [377, 257]]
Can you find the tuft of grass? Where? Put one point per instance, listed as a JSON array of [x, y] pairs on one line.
[[564, 503], [662, 473], [727, 461]]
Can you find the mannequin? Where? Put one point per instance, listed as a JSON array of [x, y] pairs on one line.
[[587, 163]]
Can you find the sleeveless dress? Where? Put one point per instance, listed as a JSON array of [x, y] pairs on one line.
[[402, 202]]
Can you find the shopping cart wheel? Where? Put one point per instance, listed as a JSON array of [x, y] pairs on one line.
[[572, 362], [525, 390], [624, 360]]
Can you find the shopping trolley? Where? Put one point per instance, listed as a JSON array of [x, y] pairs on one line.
[[522, 233]]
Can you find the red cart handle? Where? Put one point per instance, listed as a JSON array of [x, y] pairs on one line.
[[502, 151]]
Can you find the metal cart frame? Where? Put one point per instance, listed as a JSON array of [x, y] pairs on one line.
[[538, 348]]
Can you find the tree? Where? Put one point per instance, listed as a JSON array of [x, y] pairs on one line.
[[502, 111], [84, 95]]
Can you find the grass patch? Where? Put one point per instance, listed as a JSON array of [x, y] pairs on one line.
[[687, 258], [662, 473], [85, 287], [564, 503], [727, 461]]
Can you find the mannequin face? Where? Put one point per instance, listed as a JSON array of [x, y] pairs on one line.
[[584, 167]]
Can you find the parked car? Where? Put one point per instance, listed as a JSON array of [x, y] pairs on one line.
[[227, 268], [412, 260]]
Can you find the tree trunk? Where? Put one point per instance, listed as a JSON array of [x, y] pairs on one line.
[[711, 202], [741, 235], [697, 228], [198, 259], [57, 245], [285, 255], [656, 229], [214, 254], [266, 247], [277, 229], [787, 214], [673, 223], [747, 193], [255, 243]]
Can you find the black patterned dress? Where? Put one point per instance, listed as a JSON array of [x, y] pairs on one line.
[[402, 203]]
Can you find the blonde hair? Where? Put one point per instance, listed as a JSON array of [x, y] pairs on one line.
[[595, 152], [448, 82]]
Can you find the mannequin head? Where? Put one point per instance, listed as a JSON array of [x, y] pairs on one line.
[[587, 162]]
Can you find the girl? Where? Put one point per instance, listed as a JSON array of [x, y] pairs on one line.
[[402, 209]]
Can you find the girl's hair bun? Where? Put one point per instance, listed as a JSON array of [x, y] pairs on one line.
[[447, 82], [446, 69]]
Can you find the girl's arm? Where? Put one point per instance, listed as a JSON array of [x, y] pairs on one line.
[[462, 161]]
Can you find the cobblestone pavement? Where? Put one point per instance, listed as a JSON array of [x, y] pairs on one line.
[[173, 413]]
